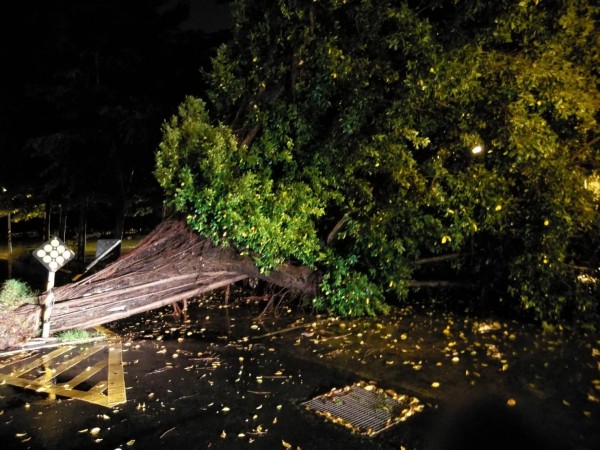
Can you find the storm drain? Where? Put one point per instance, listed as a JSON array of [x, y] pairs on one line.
[[364, 408]]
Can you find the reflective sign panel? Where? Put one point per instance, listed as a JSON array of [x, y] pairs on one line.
[[54, 254], [103, 245]]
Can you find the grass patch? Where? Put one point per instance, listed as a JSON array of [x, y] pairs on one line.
[[15, 293], [76, 335]]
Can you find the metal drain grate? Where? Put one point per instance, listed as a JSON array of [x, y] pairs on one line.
[[364, 408]]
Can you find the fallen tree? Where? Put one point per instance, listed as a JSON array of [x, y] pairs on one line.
[[171, 264]]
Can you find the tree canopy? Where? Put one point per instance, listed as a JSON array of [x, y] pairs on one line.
[[361, 137]]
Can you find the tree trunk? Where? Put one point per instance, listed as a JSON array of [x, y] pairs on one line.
[[9, 235], [82, 231], [172, 263], [119, 220], [62, 222], [10, 249], [47, 221]]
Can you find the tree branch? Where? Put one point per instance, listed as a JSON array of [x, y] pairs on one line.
[[335, 230], [250, 136], [438, 284], [435, 259]]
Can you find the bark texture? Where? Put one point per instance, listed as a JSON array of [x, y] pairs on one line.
[[172, 263]]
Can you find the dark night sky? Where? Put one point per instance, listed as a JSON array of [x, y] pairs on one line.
[[208, 16], [77, 69]]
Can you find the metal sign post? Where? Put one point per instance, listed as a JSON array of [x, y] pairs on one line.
[[53, 254]]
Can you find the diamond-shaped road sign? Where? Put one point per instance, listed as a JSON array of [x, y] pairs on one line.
[[54, 254]]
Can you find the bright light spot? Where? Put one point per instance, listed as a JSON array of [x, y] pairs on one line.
[[587, 279], [48, 248], [41, 253], [477, 149], [54, 242]]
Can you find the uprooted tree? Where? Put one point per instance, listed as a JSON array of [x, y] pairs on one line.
[[361, 137]]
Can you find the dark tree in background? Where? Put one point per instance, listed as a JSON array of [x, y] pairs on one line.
[[365, 138], [85, 87]]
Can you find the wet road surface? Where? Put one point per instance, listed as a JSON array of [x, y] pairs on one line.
[[229, 378]]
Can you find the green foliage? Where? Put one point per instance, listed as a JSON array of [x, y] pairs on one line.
[[349, 138], [230, 194], [15, 293], [349, 292]]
